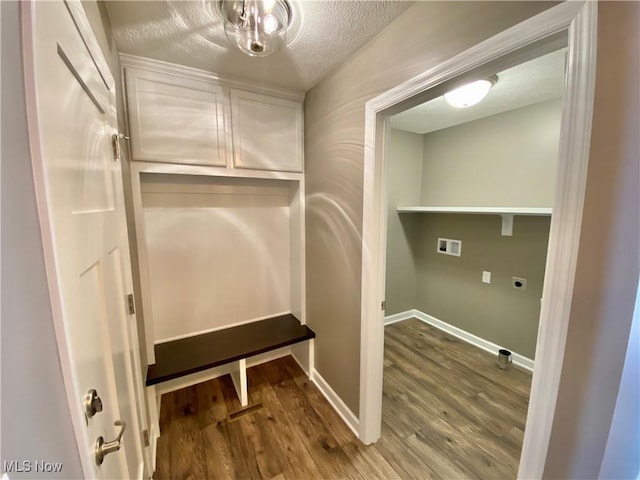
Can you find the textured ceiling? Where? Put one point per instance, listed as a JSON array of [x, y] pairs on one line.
[[531, 82], [190, 33]]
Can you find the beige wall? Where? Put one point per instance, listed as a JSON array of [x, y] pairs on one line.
[[451, 289], [505, 160], [404, 173], [609, 255], [608, 264], [424, 36]]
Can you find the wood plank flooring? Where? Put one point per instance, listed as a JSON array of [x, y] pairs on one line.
[[448, 412]]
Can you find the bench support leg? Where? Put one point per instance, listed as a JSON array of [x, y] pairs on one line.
[[303, 354], [239, 378]]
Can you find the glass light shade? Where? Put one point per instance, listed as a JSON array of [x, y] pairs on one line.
[[257, 27], [469, 94]]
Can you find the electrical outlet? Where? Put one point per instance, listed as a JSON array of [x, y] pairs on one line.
[[519, 283], [486, 277]]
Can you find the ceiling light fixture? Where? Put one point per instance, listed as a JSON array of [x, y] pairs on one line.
[[257, 27], [470, 93]]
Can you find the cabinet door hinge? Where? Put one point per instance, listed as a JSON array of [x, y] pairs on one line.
[[383, 305], [145, 437], [130, 305]]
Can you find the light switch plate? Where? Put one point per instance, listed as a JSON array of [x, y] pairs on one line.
[[486, 277]]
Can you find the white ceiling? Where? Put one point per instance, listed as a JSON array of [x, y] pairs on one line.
[[190, 33], [531, 82]]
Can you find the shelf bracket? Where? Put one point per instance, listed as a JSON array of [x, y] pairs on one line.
[[507, 224]]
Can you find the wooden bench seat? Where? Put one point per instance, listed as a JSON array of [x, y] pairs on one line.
[[189, 355]]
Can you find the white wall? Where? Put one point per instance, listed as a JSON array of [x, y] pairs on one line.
[[622, 455], [505, 160], [36, 423], [218, 250]]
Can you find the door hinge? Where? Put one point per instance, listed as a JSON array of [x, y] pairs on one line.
[[115, 143], [145, 437], [131, 306], [383, 305]]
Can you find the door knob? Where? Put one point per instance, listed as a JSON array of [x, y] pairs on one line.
[[92, 403], [105, 448]]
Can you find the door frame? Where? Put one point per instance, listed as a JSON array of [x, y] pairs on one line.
[[27, 19], [579, 19]]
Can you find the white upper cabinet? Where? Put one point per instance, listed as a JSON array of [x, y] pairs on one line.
[[174, 119], [181, 115], [267, 132]]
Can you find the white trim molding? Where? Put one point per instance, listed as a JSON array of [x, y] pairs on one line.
[[479, 342], [400, 317], [336, 402], [578, 19], [182, 71]]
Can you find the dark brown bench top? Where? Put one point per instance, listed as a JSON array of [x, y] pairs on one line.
[[193, 354]]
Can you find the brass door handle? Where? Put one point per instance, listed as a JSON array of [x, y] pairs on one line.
[[105, 448]]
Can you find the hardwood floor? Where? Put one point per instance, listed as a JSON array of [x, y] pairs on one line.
[[448, 412]]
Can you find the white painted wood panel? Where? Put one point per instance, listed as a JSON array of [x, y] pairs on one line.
[[176, 120], [239, 379], [297, 239], [267, 132], [478, 210], [71, 110], [218, 251]]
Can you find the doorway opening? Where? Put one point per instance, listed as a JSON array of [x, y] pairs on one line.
[[469, 203], [575, 25]]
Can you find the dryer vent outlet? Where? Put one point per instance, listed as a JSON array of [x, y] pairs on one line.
[[519, 283]]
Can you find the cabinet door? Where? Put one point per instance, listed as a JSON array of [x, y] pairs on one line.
[[267, 132], [176, 120]]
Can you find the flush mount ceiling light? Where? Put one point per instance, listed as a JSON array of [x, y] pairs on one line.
[[257, 27], [471, 93]]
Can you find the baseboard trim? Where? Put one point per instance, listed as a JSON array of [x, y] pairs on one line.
[[336, 402], [155, 435], [399, 317], [519, 360]]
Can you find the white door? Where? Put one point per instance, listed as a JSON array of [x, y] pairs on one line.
[[88, 266]]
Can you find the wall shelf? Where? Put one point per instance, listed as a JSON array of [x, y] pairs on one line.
[[506, 213]]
